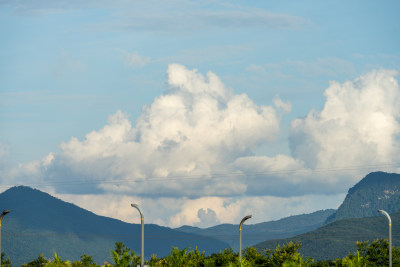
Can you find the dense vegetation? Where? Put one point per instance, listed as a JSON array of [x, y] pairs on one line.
[[375, 253]]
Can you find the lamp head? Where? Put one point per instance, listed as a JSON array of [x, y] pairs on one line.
[[247, 217], [5, 212]]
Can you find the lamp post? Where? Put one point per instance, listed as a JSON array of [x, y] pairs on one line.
[[390, 235], [142, 234], [1, 218], [240, 237]]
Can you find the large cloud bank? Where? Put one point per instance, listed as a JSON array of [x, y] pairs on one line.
[[179, 145], [190, 155], [358, 126]]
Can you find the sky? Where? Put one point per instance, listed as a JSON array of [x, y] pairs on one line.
[[201, 112]]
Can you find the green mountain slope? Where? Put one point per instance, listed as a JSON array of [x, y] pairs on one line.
[[39, 223], [255, 233], [378, 190], [337, 239]]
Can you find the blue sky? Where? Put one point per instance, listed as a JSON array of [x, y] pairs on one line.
[[299, 97]]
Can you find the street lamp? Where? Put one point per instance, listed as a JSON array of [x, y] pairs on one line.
[[390, 235], [142, 235], [1, 218], [240, 237]]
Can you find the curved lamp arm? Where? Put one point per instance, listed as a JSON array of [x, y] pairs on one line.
[[390, 235], [244, 219], [3, 214], [136, 206], [387, 216]]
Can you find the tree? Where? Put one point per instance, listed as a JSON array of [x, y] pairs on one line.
[[57, 262], [375, 253], [176, 257], [225, 257], [254, 257], [40, 261], [124, 256], [285, 255], [354, 260], [5, 262], [86, 261]]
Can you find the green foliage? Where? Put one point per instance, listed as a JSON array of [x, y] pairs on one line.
[[225, 257], [86, 261], [40, 261], [5, 262], [58, 262], [285, 255], [194, 258], [123, 256], [375, 253], [254, 257], [176, 257], [354, 260]]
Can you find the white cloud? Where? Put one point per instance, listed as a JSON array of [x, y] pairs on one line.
[[204, 211], [263, 208], [180, 143], [358, 125], [286, 107]]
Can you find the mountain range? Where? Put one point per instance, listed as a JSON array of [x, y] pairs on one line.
[[377, 190], [356, 219], [256, 233], [42, 224], [338, 239]]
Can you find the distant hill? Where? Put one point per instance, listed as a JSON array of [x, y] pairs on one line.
[[377, 190], [337, 239], [39, 223], [255, 233]]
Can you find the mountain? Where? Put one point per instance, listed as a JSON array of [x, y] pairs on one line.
[[337, 239], [40, 223], [255, 233], [377, 190]]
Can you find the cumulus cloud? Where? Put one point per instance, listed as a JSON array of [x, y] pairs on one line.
[[232, 210], [358, 125], [207, 217], [179, 145], [203, 211]]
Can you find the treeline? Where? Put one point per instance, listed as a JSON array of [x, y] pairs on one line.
[[375, 253]]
